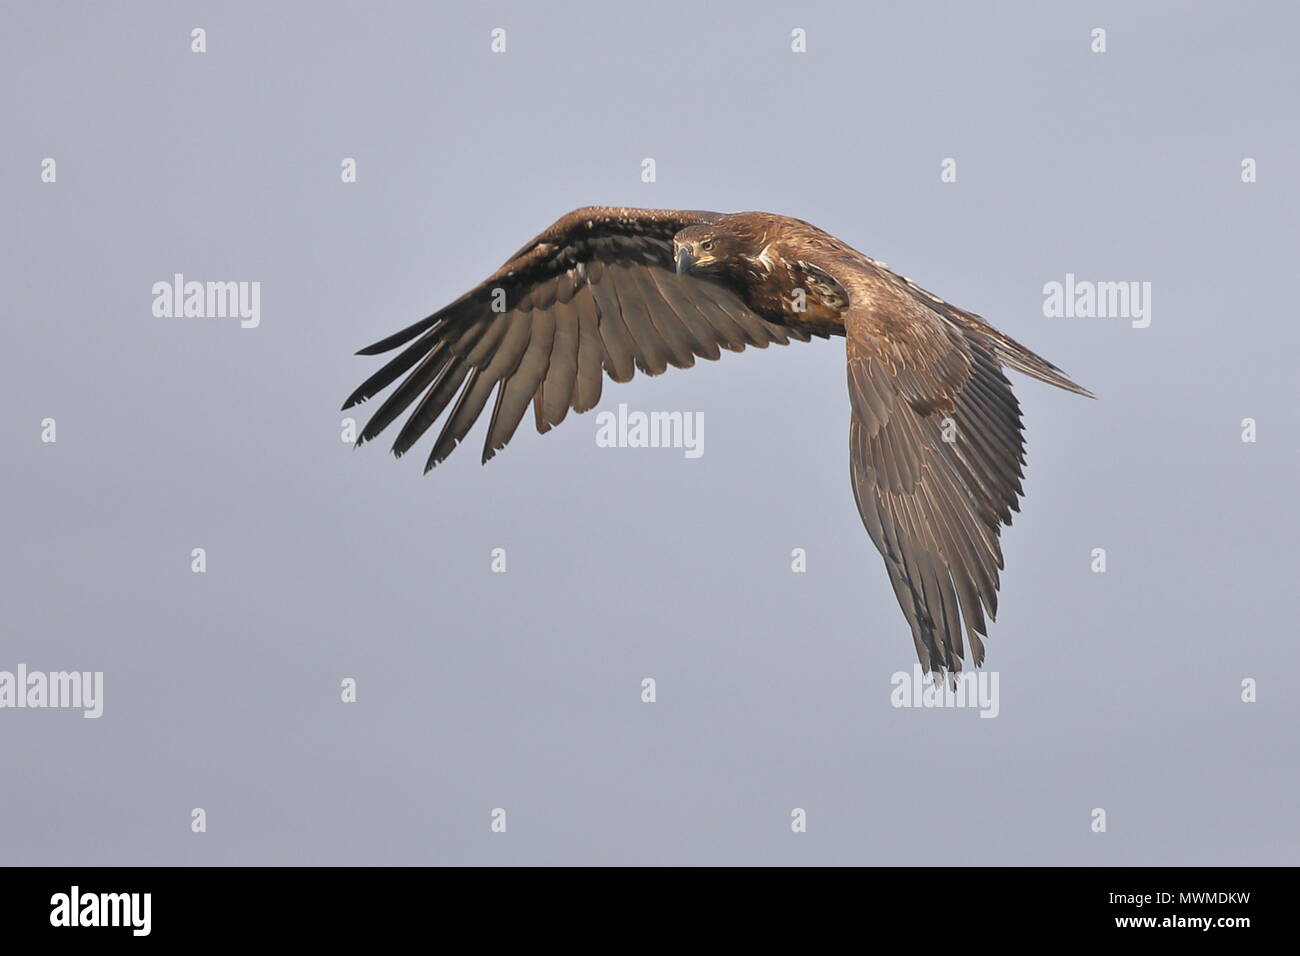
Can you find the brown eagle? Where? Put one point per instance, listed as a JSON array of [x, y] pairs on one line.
[[935, 438]]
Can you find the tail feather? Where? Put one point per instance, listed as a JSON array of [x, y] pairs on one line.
[[1012, 353], [1023, 360]]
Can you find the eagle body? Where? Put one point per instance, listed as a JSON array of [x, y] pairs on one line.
[[936, 445]]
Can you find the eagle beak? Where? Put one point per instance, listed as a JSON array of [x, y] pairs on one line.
[[685, 259]]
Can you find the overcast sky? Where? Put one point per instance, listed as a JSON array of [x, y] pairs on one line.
[[1119, 691]]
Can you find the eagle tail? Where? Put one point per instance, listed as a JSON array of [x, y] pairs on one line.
[[1012, 353], [1008, 350], [1044, 371]]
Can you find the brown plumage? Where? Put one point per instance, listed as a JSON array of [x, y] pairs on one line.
[[935, 438]]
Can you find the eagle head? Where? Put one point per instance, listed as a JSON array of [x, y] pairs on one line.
[[704, 249]]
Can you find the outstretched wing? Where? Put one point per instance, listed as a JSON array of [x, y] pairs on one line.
[[596, 292], [936, 449]]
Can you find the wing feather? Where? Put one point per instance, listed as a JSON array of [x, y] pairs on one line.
[[520, 387], [587, 387], [551, 403], [620, 352], [504, 360], [648, 350], [702, 338], [667, 326]]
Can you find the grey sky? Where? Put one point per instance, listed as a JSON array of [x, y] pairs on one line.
[[522, 690]]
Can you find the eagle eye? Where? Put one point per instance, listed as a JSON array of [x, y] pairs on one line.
[[706, 245]]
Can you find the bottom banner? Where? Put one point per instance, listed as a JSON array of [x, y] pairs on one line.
[[90, 905]]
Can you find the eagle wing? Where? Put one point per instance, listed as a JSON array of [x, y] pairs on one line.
[[595, 293], [936, 448]]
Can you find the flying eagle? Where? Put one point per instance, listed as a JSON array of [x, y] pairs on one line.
[[935, 438]]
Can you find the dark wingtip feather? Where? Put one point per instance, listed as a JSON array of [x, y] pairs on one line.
[[400, 338], [444, 315]]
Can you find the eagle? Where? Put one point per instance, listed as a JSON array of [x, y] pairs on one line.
[[936, 443]]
